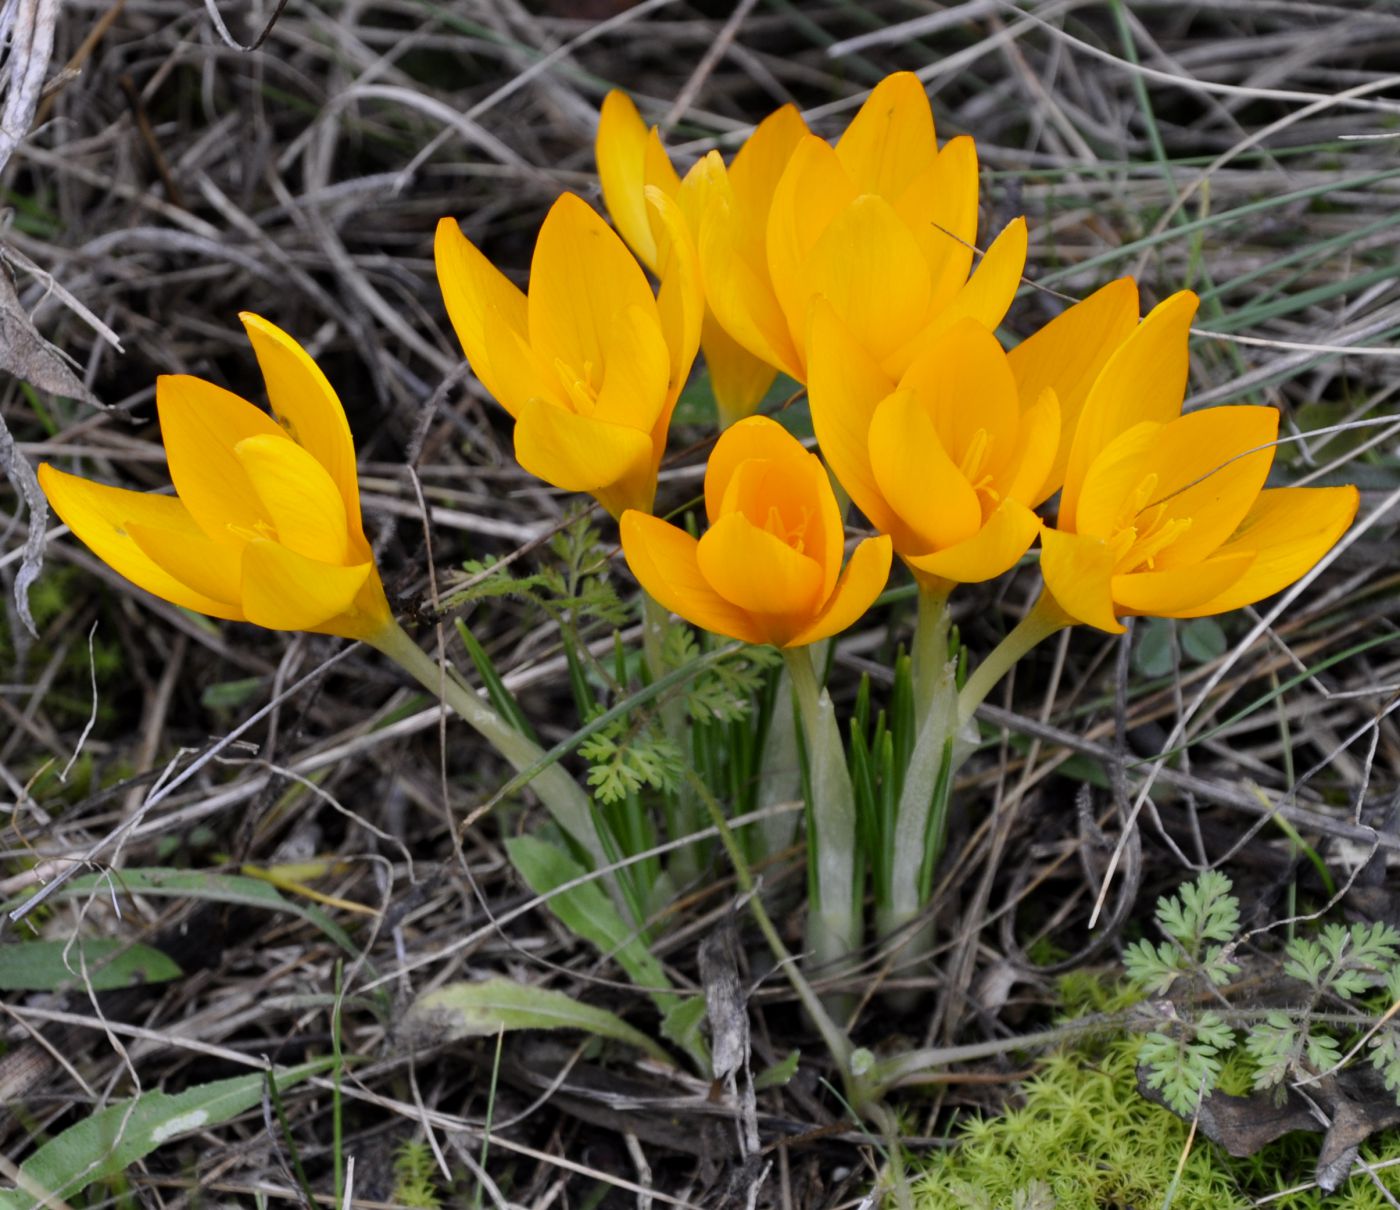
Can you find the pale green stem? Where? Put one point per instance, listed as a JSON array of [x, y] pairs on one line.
[[561, 795], [1043, 619], [833, 922], [930, 653], [780, 774]]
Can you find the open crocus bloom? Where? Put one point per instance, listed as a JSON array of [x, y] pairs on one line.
[[1166, 515], [882, 225], [631, 157], [265, 524], [768, 569], [947, 460], [591, 363]]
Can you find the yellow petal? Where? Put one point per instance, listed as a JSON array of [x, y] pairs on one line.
[[862, 581], [1143, 380], [940, 209], [680, 299], [581, 454], [662, 558], [1067, 355], [1078, 573], [1038, 437], [308, 408], [915, 475], [284, 590], [519, 372], [200, 425], [1208, 477], [1109, 486], [754, 438], [635, 372], [871, 270], [99, 517], [1164, 594], [1005, 536], [212, 569], [759, 163], [1288, 530], [844, 389], [581, 276], [890, 141], [625, 149], [298, 497], [738, 378], [761, 574], [740, 294], [471, 286]]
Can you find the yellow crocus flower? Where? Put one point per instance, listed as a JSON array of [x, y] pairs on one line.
[[631, 157], [589, 363], [882, 225], [1167, 515], [265, 523], [768, 569]]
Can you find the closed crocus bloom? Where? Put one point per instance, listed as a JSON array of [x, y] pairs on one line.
[[882, 225], [947, 459], [631, 158], [768, 569], [590, 363], [265, 523], [1167, 515]]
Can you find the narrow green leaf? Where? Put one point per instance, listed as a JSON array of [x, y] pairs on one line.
[[42, 966]]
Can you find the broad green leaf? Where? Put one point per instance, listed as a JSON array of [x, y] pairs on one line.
[[1152, 647], [43, 966], [1203, 640], [486, 1008], [103, 1144], [779, 1075]]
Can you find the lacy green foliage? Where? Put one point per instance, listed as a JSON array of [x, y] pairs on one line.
[[725, 692], [415, 1175], [1199, 925], [622, 759]]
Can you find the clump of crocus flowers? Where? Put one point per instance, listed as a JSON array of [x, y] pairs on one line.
[[852, 269]]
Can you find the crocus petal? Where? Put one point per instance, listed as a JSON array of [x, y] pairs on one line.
[[1115, 474], [872, 271], [1067, 355], [471, 286], [862, 581], [1288, 530], [200, 424], [298, 497], [921, 484], [680, 299], [844, 388], [940, 209], [100, 516], [308, 408], [214, 570], [663, 559], [519, 373], [739, 380], [890, 141], [635, 373], [760, 162], [1037, 436], [625, 148], [581, 276], [1143, 380], [1164, 594], [760, 573], [1005, 536], [581, 454], [754, 438], [284, 590], [1078, 573]]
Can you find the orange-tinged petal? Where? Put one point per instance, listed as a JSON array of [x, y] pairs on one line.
[[758, 165], [739, 293], [754, 438], [870, 268], [200, 425], [1115, 475], [581, 276], [99, 517], [680, 300], [862, 581], [1288, 530], [760, 574], [1164, 594], [1067, 355], [581, 454], [1005, 536], [214, 570], [1038, 437], [844, 388], [628, 160], [917, 478], [284, 590], [298, 497], [308, 408], [519, 372], [471, 286], [1143, 380], [1078, 573], [940, 209], [635, 373], [1208, 476], [739, 380], [890, 141], [663, 559]]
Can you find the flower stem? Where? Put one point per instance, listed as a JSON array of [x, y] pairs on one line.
[[561, 795], [1043, 619], [930, 653]]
